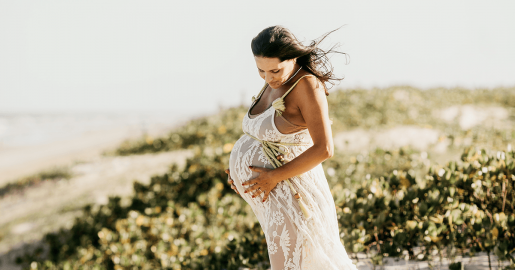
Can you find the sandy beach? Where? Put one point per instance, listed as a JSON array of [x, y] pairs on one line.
[[20, 161]]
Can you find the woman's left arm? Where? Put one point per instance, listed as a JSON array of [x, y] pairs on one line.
[[312, 103]]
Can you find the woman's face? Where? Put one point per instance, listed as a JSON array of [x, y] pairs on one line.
[[273, 71]]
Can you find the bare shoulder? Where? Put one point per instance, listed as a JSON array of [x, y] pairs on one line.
[[309, 89]]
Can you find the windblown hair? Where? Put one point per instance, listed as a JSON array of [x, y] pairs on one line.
[[279, 42]]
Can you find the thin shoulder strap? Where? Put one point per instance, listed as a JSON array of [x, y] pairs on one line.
[[293, 86], [260, 92], [278, 104]]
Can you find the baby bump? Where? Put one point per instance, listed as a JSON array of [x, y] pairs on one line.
[[246, 152]]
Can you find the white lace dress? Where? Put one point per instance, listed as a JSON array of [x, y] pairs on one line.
[[293, 242]]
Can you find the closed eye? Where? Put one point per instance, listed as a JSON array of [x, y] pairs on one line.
[[273, 71]]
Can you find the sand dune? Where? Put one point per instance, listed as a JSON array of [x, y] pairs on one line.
[[16, 162]]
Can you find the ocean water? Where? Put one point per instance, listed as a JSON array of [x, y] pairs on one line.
[[29, 129]]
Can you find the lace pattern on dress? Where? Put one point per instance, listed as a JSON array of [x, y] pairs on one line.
[[293, 242]]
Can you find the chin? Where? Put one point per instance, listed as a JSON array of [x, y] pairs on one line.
[[274, 84]]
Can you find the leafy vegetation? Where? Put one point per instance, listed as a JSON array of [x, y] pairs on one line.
[[468, 205], [389, 202], [183, 219]]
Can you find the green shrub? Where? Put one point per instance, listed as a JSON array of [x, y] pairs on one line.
[[468, 204], [187, 218]]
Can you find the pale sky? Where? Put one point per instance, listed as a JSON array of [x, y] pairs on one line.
[[194, 56]]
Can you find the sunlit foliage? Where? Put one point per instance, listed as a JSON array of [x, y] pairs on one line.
[[391, 203]]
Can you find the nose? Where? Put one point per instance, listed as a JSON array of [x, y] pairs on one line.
[[268, 78]]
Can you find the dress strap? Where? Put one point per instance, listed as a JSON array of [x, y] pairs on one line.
[[260, 93], [295, 84], [278, 104]]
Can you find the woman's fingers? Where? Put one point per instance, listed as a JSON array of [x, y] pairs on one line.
[[229, 180], [258, 191], [266, 195], [257, 169], [250, 182], [235, 189], [252, 188]]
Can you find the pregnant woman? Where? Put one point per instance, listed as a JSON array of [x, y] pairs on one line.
[[276, 165]]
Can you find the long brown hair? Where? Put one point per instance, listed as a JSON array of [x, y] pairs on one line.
[[279, 42]]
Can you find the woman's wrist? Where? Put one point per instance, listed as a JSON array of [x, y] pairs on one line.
[[275, 175]]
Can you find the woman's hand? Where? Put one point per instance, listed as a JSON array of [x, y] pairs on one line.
[[230, 181], [262, 184]]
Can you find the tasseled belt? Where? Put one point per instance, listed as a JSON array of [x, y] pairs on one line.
[[271, 151]]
